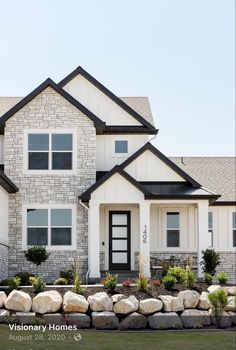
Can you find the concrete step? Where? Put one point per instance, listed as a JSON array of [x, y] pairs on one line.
[[122, 275]]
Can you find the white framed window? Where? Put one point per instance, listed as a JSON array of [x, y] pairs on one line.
[[121, 147], [52, 151], [210, 227], [172, 229], [51, 226], [234, 228]]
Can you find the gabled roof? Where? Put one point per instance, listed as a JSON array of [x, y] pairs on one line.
[[141, 105], [149, 147], [7, 184], [113, 97], [49, 82]]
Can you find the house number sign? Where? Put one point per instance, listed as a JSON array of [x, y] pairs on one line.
[[145, 234]]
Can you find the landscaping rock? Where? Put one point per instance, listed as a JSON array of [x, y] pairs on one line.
[[105, 320], [190, 298], [18, 301], [100, 302], [232, 290], [149, 306], [25, 317], [193, 318], [231, 304], [134, 321], [117, 297], [233, 316], [56, 319], [162, 320], [204, 303], [226, 320], [126, 306], [78, 319], [47, 302], [213, 288], [73, 302], [3, 298], [3, 314], [172, 304]]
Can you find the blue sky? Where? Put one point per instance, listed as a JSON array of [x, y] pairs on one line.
[[180, 53]]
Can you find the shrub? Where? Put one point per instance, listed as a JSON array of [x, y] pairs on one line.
[[208, 278], [218, 302], [37, 255], [222, 277], [38, 284], [177, 272], [68, 275], [77, 285], [169, 281], [156, 283], [110, 282], [142, 283], [60, 281], [13, 283], [210, 260], [24, 278], [127, 283], [190, 279]]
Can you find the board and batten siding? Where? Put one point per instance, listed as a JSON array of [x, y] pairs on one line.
[[98, 103], [1, 149], [3, 216]]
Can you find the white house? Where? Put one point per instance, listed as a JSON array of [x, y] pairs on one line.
[[79, 176]]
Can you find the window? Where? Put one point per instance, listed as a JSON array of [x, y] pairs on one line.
[[210, 227], [172, 229], [234, 229], [50, 151], [121, 146], [49, 227]]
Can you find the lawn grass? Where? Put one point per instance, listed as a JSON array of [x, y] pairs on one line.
[[96, 340]]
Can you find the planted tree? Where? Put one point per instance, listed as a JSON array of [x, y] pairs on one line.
[[210, 260], [37, 255]]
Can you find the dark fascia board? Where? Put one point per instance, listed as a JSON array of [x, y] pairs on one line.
[[222, 203], [98, 123], [185, 196], [113, 97], [149, 147], [85, 197], [7, 184], [124, 129]]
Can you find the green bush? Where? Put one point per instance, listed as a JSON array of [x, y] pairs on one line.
[[110, 282], [208, 278], [68, 275], [38, 283], [142, 283], [190, 279], [13, 283], [77, 284], [218, 302], [37, 255], [169, 281], [222, 277], [60, 281], [24, 278], [210, 260], [177, 272]]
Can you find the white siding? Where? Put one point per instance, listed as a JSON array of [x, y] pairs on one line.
[[1, 149], [106, 156], [3, 216], [98, 103], [148, 167]]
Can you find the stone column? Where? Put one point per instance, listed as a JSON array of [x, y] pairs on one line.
[[203, 236], [144, 219], [94, 241]]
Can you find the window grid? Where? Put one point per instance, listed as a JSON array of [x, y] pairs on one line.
[[174, 229]]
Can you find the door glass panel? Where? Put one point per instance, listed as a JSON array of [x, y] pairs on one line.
[[119, 258], [119, 232], [119, 219], [119, 244]]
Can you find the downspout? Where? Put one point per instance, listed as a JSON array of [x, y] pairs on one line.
[[87, 273]]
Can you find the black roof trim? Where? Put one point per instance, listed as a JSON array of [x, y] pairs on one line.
[[7, 184], [233, 203], [85, 197], [113, 97], [182, 196], [49, 82], [149, 147], [124, 129]]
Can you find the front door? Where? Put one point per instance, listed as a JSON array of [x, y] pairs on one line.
[[119, 240]]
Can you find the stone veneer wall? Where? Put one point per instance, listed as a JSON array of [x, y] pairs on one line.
[[3, 261], [102, 261], [49, 110], [228, 265]]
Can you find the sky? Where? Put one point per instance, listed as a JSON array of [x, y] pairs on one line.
[[179, 53]]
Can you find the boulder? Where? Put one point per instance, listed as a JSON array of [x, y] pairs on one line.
[[56, 319], [134, 321], [213, 288], [231, 305], [117, 297], [25, 317], [47, 302], [73, 302], [204, 303], [100, 302], [78, 319], [3, 314], [3, 298], [172, 304], [225, 322], [126, 306], [162, 320], [190, 298], [105, 320], [233, 316], [149, 306], [18, 301], [193, 318], [232, 290]]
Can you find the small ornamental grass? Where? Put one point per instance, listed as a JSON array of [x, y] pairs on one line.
[[208, 278], [13, 283], [60, 281], [110, 282], [190, 278], [142, 283], [177, 272], [169, 282], [218, 300], [222, 277], [38, 283]]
